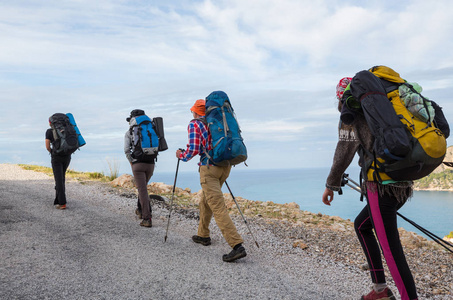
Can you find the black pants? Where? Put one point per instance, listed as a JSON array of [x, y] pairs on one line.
[[380, 215], [59, 166]]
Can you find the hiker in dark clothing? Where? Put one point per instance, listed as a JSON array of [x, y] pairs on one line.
[[60, 164], [142, 172], [379, 214]]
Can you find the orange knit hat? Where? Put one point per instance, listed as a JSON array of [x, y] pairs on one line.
[[199, 107]]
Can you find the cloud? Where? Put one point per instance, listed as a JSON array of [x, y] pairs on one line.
[[278, 61]]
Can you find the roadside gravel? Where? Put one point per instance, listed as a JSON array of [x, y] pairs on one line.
[[96, 249]]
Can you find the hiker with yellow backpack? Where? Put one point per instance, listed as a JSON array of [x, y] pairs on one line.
[[400, 136]]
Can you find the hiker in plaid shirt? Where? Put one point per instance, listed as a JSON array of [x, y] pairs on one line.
[[198, 139], [212, 178]]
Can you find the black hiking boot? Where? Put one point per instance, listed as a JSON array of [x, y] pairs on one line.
[[201, 240], [235, 254]]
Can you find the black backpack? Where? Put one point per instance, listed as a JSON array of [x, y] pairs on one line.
[[64, 134], [406, 147]]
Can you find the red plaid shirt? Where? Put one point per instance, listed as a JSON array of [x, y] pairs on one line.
[[198, 140]]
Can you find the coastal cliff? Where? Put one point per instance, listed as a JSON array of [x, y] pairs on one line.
[[441, 179]]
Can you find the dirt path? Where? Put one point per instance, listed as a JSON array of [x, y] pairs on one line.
[[95, 249]]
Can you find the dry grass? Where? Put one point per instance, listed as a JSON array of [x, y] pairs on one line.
[[96, 176]]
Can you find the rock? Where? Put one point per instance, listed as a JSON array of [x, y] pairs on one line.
[[410, 239], [338, 226], [437, 292], [365, 266], [196, 197], [227, 197], [300, 244], [160, 188], [292, 205], [336, 219], [125, 180]]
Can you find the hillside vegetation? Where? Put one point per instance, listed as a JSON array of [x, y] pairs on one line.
[[441, 179]]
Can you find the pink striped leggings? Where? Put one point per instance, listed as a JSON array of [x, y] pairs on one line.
[[380, 215]]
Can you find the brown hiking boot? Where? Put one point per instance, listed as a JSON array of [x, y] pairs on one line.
[[146, 223], [58, 206], [386, 294]]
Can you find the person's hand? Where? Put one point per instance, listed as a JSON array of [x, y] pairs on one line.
[[327, 197], [178, 153]]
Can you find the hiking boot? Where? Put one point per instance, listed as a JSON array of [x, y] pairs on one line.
[[235, 254], [58, 206], [138, 212], [205, 241], [146, 223], [386, 294]]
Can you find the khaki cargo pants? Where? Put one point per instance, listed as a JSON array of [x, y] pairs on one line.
[[213, 203]]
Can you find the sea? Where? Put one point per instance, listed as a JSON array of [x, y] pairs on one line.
[[432, 210]]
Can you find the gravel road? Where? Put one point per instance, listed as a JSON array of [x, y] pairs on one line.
[[96, 249]]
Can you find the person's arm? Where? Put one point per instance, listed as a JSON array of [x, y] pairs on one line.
[[48, 140], [194, 145], [344, 154], [48, 146], [327, 196], [127, 146]]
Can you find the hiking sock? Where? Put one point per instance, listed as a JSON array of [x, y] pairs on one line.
[[379, 287], [237, 246]]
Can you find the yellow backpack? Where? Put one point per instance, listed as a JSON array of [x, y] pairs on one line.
[[426, 146]]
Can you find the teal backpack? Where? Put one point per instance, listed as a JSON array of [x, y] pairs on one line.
[[227, 146]]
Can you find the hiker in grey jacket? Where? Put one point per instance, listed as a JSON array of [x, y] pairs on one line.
[[142, 172], [383, 201]]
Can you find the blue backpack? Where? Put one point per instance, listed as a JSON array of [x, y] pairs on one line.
[[145, 141], [227, 146]]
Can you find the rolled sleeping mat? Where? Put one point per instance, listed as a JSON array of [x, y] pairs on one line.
[[79, 135], [159, 127]]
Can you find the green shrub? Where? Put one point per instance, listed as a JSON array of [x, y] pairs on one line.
[[114, 168], [96, 175], [443, 179]]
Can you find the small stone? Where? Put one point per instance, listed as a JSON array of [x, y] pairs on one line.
[[300, 244]]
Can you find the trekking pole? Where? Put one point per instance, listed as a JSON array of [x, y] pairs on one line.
[[434, 237], [171, 200], [245, 221]]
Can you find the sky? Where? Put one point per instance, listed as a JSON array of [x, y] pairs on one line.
[[278, 61]]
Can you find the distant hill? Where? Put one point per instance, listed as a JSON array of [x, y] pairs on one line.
[[441, 179]]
